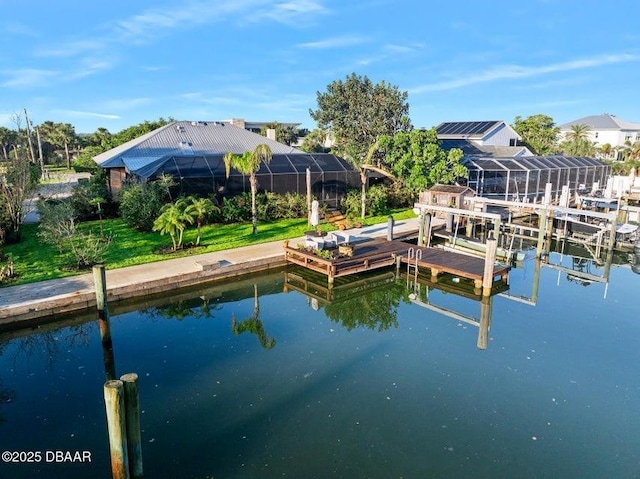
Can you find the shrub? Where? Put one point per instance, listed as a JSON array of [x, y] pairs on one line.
[[375, 201], [91, 199], [140, 204]]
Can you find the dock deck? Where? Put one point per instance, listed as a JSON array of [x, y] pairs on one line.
[[379, 253]]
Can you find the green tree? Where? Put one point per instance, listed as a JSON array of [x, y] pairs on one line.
[[65, 136], [417, 159], [200, 209], [577, 142], [539, 133], [173, 220], [284, 134], [357, 113], [17, 180], [314, 141], [7, 140], [249, 164]]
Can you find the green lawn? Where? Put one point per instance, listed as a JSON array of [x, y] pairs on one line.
[[35, 261]]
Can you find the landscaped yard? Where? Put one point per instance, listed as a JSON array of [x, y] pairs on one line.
[[35, 261]]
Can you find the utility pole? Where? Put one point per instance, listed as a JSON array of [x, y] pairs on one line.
[[33, 155]]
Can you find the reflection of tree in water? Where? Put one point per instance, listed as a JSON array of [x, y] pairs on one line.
[[184, 309], [253, 324], [47, 345], [375, 309]]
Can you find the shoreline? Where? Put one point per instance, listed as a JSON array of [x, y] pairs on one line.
[[29, 302]]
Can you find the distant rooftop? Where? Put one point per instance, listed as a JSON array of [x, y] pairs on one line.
[[603, 122]]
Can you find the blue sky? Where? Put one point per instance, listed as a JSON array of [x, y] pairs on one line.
[[117, 63]]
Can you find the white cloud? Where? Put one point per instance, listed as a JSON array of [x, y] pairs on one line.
[[90, 67], [87, 114], [334, 42], [508, 72], [27, 77], [294, 12], [120, 104]]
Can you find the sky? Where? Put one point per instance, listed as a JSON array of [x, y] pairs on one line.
[[116, 63]]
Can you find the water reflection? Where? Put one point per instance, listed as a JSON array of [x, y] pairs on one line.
[[253, 324]]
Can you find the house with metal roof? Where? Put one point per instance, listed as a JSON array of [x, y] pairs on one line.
[[481, 138], [192, 153], [605, 129]]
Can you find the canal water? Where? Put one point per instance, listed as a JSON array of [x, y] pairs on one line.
[[275, 376]]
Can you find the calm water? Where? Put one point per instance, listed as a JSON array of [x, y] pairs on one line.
[[369, 385]]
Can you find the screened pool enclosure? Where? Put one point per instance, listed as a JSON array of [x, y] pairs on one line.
[[524, 178], [331, 176]]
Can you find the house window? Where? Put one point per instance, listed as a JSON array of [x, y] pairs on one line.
[[512, 141], [627, 138]]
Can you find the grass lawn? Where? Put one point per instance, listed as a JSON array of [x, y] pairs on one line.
[[35, 261]]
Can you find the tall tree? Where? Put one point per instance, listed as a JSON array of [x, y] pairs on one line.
[[357, 112], [539, 133], [577, 141], [249, 164], [314, 141], [64, 136], [16, 182], [417, 159]]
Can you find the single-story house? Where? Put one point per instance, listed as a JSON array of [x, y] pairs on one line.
[[192, 153]]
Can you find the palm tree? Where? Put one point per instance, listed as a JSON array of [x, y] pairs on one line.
[[249, 164], [578, 133], [199, 209], [606, 150], [173, 220]]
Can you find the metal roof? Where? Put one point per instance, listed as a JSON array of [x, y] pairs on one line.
[[182, 138], [469, 148], [602, 122]]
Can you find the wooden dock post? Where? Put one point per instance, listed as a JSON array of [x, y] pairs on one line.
[[485, 322], [390, 223], [108, 357], [427, 230], [114, 402], [100, 284], [132, 416], [542, 227], [421, 218], [489, 260]]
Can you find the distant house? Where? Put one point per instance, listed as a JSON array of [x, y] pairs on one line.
[[606, 129], [481, 138], [192, 153]]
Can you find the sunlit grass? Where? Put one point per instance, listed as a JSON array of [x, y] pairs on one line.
[[37, 261]]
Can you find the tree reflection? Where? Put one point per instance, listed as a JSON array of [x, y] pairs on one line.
[[180, 310], [374, 309], [253, 324]]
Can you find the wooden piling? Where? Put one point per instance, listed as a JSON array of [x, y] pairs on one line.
[[114, 402], [100, 284], [489, 260], [390, 223], [132, 415], [108, 357], [485, 322], [427, 229]]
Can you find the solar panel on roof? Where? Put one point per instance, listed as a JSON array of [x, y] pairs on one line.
[[465, 127]]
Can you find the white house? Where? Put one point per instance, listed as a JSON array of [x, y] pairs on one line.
[[606, 129]]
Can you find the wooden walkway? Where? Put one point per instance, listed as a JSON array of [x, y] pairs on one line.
[[379, 253]]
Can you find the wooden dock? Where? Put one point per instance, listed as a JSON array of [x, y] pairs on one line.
[[466, 266], [377, 253]]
